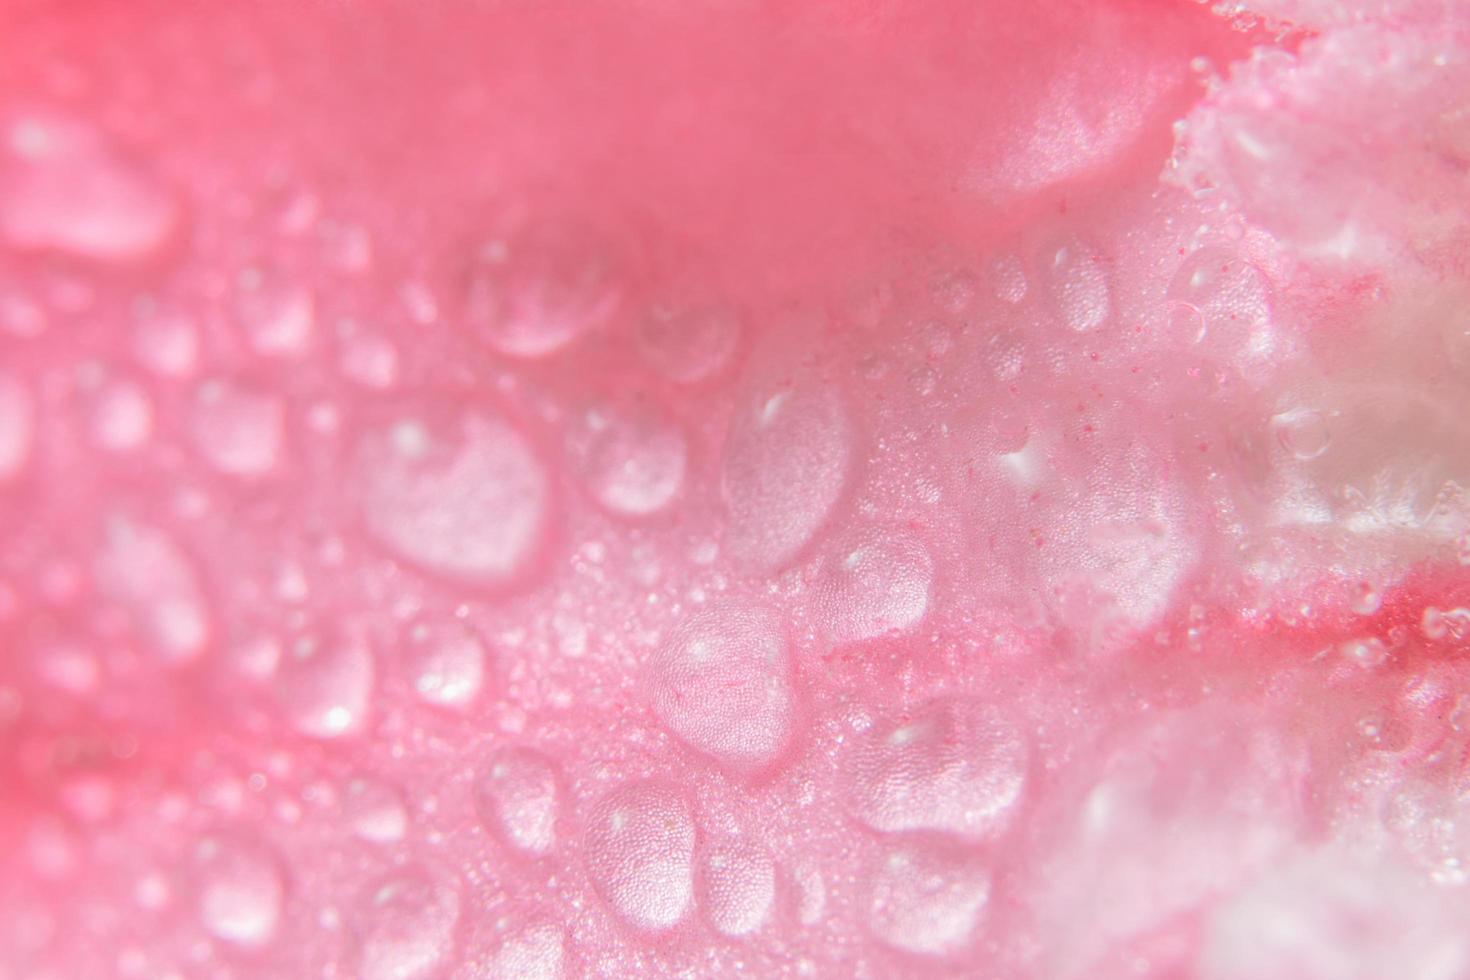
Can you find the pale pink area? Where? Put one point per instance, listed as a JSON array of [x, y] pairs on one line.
[[845, 488]]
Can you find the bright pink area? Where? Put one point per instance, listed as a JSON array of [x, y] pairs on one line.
[[510, 489]]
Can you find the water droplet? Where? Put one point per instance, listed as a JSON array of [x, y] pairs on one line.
[[466, 498], [739, 887], [928, 899], [953, 766], [1366, 600], [17, 425], [518, 800], [275, 313], [238, 428], [1080, 286], [640, 854], [445, 663], [1008, 278], [629, 455], [121, 417], [375, 811], [1302, 432], [145, 570], [325, 688], [787, 462], [534, 953], [241, 890], [407, 927], [370, 360], [65, 188], [875, 582], [1230, 297], [539, 284], [166, 343], [1186, 322], [688, 342], [1368, 652], [722, 683]]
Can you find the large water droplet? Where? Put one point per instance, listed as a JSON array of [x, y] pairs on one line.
[[1080, 286], [65, 188], [952, 766], [540, 282], [17, 425], [374, 811], [875, 582], [465, 498], [535, 953], [121, 417], [275, 313], [640, 854], [145, 570], [241, 890], [238, 428], [928, 898], [787, 461], [722, 683], [325, 687], [739, 887], [407, 927], [1303, 432], [629, 455], [518, 799], [445, 663], [688, 342], [1227, 296]]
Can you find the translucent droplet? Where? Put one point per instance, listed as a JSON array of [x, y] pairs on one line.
[[370, 360], [1080, 286], [407, 924], [445, 663], [539, 284], [466, 498], [928, 899], [65, 188], [241, 890], [121, 417], [688, 342], [738, 887], [1366, 600], [1186, 322], [17, 425], [145, 571], [275, 313], [1302, 432], [875, 582], [535, 953], [640, 854], [325, 688], [722, 683], [1367, 652], [238, 428], [1230, 297], [629, 455], [519, 801], [952, 766], [787, 461], [166, 343], [374, 811]]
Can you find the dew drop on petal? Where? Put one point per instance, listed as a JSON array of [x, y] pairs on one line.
[[325, 687], [721, 682], [640, 853], [951, 766], [407, 927], [445, 662], [241, 890], [466, 498], [518, 797]]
